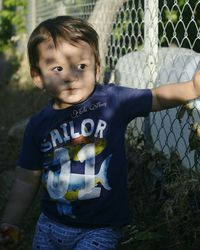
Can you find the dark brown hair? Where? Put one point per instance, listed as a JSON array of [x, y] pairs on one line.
[[71, 29]]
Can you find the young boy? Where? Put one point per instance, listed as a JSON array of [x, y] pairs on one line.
[[75, 145]]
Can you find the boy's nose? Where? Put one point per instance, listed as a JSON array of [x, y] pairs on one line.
[[71, 76]]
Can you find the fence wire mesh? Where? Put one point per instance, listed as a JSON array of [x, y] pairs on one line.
[[148, 43]]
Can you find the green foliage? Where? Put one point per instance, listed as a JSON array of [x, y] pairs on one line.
[[9, 64], [12, 20], [164, 200], [179, 24]]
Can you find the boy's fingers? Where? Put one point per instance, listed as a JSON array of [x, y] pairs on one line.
[[4, 240], [3, 237], [10, 235]]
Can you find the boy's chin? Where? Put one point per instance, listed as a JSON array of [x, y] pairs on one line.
[[61, 104]]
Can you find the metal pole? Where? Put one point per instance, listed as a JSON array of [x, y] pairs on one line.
[[31, 16], [151, 39], [1, 5], [61, 7]]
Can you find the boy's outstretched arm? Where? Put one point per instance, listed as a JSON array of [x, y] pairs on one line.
[[25, 187], [172, 95]]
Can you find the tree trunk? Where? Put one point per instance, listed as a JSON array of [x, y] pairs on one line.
[[102, 19]]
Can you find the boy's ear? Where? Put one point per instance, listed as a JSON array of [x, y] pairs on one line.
[[97, 72], [37, 78]]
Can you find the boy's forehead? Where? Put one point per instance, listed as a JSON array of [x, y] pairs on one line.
[[80, 49]]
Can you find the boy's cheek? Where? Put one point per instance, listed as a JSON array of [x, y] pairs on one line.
[[53, 85], [53, 89]]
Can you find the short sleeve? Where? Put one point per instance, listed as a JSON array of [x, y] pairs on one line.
[[30, 155], [134, 102]]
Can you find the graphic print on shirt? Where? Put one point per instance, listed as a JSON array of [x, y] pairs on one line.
[[65, 186]]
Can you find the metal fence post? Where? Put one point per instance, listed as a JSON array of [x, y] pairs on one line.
[[31, 16], [61, 7], [151, 38]]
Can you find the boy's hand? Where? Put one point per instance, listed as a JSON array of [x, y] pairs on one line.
[[10, 235], [196, 82]]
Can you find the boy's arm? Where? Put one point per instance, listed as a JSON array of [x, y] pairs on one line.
[[172, 95], [25, 187]]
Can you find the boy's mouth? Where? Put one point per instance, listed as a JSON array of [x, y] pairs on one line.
[[71, 89]]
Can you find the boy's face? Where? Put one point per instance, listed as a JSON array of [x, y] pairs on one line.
[[68, 73]]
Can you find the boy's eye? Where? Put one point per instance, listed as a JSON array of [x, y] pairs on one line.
[[81, 66], [58, 68]]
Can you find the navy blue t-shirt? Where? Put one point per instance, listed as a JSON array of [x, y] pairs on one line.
[[81, 152]]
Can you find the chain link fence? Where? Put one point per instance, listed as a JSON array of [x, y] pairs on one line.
[[144, 44]]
